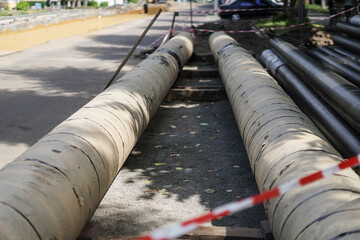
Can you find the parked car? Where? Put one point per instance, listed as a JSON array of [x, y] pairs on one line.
[[267, 5]]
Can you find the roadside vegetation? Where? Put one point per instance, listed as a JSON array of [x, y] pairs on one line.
[[23, 8], [281, 20], [316, 7]]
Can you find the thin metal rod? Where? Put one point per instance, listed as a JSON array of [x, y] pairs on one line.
[[191, 15], [173, 22], [133, 49]]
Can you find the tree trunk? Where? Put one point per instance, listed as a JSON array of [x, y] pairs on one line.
[[85, 3], [286, 2], [292, 10], [78, 4], [301, 11], [323, 4], [73, 4]]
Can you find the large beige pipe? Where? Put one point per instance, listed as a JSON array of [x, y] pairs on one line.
[[283, 144], [51, 190]]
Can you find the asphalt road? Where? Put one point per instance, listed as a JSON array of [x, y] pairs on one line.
[[43, 85]]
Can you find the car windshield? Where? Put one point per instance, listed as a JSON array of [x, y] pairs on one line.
[[228, 2], [275, 1]]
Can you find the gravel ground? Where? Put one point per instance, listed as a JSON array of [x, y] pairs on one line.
[[190, 159]]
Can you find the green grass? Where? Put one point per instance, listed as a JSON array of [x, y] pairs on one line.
[[7, 13], [271, 24], [280, 20], [316, 7]]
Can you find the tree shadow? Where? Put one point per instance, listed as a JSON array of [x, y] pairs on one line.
[[115, 40], [69, 80], [34, 101], [194, 149], [106, 53]]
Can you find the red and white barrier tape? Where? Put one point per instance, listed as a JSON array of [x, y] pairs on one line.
[[234, 10], [167, 36], [277, 28], [179, 229], [158, 39]]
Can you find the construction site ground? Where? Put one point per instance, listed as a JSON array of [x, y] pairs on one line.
[[190, 158]]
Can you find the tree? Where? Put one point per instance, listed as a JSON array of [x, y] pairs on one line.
[[323, 4], [73, 4], [292, 9]]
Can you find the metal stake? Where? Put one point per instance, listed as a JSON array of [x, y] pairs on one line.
[[191, 14], [133, 49], [172, 24]]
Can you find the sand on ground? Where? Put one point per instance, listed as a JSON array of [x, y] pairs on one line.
[[16, 41]]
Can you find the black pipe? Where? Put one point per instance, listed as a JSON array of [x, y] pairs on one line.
[[344, 59], [342, 95], [355, 20], [347, 53], [340, 134], [348, 43], [349, 29], [334, 64]]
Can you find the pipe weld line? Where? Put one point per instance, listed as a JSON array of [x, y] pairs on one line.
[[324, 217], [307, 199], [82, 152], [84, 140], [345, 234], [105, 129], [24, 217], [284, 158], [105, 110]]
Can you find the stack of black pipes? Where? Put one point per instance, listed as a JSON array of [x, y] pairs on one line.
[[344, 57], [326, 89]]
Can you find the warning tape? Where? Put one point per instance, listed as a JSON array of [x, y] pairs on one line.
[[235, 10], [276, 28], [179, 229], [158, 39], [167, 36]]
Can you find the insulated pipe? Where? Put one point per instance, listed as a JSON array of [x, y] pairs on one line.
[[347, 53], [348, 43], [339, 93], [350, 29], [283, 144], [51, 190], [355, 20], [337, 66], [339, 133], [344, 59]]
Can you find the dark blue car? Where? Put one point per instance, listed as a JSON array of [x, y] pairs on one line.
[[267, 6]]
